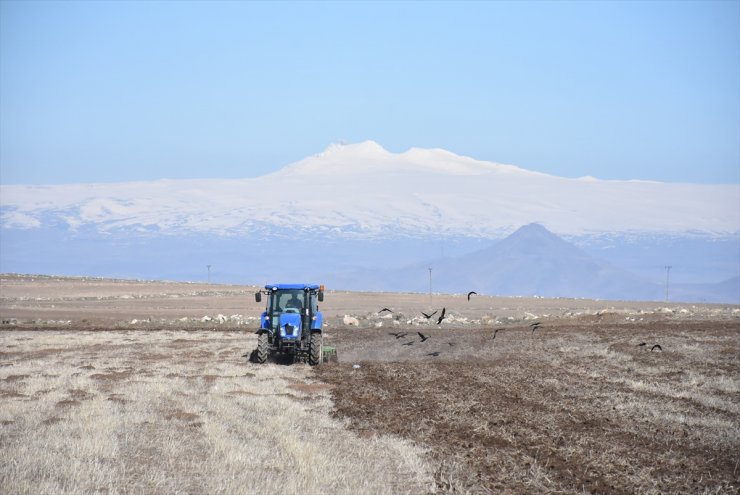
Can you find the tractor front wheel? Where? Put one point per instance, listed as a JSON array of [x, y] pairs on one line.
[[263, 347], [316, 348]]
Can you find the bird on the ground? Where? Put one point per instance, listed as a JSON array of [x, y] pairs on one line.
[[656, 347], [471, 293], [429, 316], [423, 337], [398, 335], [410, 342], [435, 353], [450, 344], [643, 344], [442, 316], [385, 309]]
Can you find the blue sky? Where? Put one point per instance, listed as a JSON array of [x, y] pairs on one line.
[[120, 91]]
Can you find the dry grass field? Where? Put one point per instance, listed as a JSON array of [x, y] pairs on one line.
[[178, 412], [138, 387]]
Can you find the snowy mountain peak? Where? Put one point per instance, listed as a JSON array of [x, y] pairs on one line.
[[340, 158], [368, 147], [443, 161], [368, 157], [363, 190]]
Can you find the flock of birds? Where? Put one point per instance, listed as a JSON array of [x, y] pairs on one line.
[[427, 316], [423, 338]]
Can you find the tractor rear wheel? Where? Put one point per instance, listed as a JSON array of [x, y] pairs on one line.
[[263, 347], [316, 348]]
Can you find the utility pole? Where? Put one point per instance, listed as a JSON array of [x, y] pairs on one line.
[[667, 278], [430, 287], [209, 273]]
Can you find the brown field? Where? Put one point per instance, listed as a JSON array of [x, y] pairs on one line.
[[140, 387], [573, 408]]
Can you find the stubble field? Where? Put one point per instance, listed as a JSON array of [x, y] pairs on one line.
[[136, 387]]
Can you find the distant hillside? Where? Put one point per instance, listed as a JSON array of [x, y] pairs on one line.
[[725, 291], [532, 262]]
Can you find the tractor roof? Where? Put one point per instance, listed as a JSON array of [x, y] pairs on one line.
[[292, 286]]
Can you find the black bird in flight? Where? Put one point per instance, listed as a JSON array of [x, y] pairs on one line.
[[642, 345], [429, 316], [398, 335], [450, 344], [656, 347], [471, 293], [495, 332], [442, 316], [435, 353], [385, 309], [534, 326], [423, 337], [410, 342]]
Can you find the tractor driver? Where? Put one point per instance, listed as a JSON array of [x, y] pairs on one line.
[[294, 302]]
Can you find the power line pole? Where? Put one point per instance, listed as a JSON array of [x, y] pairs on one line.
[[430, 287], [209, 273], [667, 278]]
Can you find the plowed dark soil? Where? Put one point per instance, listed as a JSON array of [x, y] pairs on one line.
[[564, 409]]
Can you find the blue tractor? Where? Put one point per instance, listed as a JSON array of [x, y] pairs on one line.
[[291, 323]]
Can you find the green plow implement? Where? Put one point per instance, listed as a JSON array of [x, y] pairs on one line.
[[330, 354]]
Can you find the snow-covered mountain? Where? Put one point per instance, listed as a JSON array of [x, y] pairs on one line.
[[364, 191], [358, 216]]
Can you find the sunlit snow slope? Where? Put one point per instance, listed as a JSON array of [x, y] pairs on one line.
[[364, 190]]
